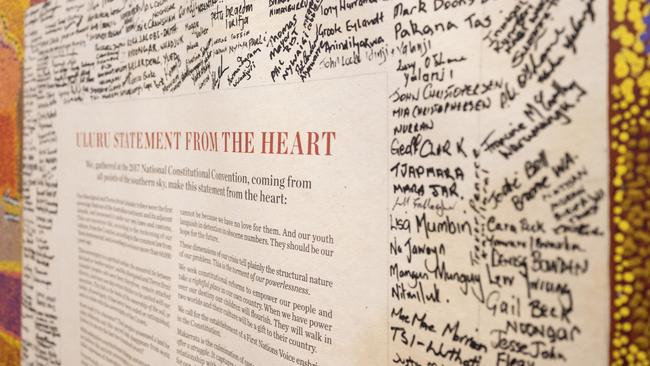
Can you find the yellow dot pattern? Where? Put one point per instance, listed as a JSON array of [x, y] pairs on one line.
[[630, 148]]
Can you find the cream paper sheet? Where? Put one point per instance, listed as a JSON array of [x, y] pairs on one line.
[[351, 182]]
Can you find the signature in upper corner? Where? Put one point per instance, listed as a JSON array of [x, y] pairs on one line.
[[218, 74]]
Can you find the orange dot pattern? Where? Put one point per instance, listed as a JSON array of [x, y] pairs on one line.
[[630, 201], [11, 55]]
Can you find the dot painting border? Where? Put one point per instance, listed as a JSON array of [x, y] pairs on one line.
[[630, 182]]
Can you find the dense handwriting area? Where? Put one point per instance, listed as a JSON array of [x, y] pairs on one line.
[[498, 215], [498, 242]]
